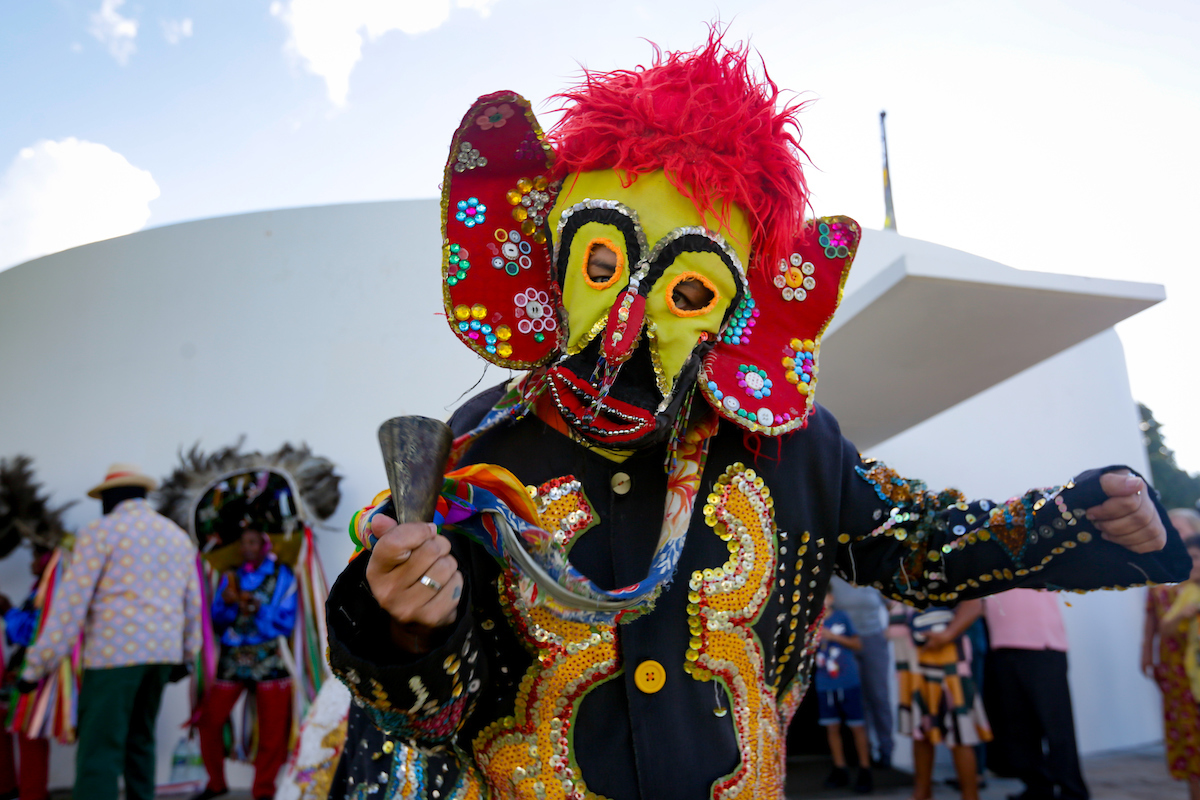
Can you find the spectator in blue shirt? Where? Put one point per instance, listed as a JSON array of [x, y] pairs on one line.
[[839, 697]]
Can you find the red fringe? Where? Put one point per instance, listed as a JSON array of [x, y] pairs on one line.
[[754, 443], [707, 122]]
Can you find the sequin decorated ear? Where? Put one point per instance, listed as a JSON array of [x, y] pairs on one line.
[[498, 285], [762, 374]]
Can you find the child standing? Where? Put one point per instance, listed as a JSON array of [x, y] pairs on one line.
[[839, 697]]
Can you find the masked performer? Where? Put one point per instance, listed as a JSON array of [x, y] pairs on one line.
[[251, 515], [254, 607], [641, 529]]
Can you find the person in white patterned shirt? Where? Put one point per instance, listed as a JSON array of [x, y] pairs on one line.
[[132, 589]]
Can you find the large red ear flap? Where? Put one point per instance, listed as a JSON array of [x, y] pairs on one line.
[[762, 374], [498, 284]]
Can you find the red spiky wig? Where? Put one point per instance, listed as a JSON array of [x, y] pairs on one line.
[[705, 120]]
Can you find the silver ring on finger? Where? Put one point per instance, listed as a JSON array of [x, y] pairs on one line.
[[430, 582]]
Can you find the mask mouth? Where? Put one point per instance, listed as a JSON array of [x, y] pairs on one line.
[[632, 413], [608, 421]]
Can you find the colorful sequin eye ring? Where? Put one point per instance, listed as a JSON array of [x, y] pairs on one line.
[[691, 312], [617, 272], [801, 365]]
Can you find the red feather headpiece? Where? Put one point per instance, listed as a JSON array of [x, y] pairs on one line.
[[705, 120]]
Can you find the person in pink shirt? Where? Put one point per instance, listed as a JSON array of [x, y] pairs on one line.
[[1027, 696]]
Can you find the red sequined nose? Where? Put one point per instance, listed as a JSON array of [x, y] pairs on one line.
[[624, 324]]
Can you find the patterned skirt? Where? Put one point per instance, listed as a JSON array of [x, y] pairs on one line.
[[939, 701], [251, 662]]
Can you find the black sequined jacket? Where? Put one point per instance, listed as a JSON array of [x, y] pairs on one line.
[[690, 700]]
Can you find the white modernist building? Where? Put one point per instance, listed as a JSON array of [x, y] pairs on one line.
[[316, 324]]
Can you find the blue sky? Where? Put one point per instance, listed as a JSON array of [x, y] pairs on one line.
[[1055, 136]]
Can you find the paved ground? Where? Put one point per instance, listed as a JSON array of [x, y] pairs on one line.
[[1124, 775]]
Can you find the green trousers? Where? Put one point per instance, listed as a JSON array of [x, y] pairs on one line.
[[118, 709]]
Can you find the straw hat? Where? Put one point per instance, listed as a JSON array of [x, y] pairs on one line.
[[123, 475]]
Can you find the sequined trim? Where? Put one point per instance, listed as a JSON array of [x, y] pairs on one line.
[[723, 605], [529, 753], [563, 509], [917, 515]]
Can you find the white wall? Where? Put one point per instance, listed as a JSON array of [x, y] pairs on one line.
[[307, 324], [317, 324], [1040, 428]]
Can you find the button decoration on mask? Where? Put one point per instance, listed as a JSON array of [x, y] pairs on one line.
[[539, 315], [754, 381], [795, 278]]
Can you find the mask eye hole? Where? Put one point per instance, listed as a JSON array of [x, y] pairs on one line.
[[690, 294], [604, 265]]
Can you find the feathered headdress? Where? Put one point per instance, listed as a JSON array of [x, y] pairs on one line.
[[281, 494], [278, 492], [24, 513]]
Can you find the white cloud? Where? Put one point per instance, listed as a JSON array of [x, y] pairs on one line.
[[115, 32], [328, 34], [60, 194], [176, 30]]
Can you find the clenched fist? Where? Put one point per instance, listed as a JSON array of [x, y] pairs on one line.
[[415, 579], [1128, 517]]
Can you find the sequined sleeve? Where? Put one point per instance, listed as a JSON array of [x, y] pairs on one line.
[[424, 699], [925, 547]]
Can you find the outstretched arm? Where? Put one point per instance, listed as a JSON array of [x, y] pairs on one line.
[[1104, 529]]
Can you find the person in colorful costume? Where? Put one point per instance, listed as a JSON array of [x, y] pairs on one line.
[[251, 514], [622, 594], [253, 608]]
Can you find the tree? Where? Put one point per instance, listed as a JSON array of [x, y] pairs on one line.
[[1178, 488]]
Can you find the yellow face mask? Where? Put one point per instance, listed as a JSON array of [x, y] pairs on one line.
[[688, 269]]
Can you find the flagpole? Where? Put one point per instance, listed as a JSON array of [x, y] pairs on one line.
[[889, 213]]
